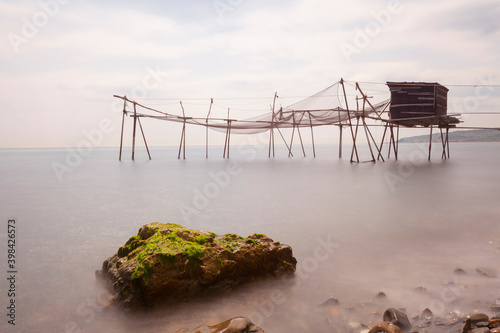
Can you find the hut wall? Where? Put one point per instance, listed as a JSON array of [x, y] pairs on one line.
[[417, 100]]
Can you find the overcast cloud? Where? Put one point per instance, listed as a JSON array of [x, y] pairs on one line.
[[62, 60]]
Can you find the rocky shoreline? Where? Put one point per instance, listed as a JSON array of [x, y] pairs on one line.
[[392, 321]]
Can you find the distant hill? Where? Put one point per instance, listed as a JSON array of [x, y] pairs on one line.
[[488, 135]]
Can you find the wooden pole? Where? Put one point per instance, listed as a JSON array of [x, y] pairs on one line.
[[375, 144], [391, 141], [350, 123], [340, 141], [123, 123], [133, 135], [354, 142], [312, 134], [226, 140], [300, 135], [182, 145], [206, 122], [396, 149], [182, 139], [368, 138], [443, 143], [382, 143], [448, 141], [144, 137], [430, 145], [293, 132]]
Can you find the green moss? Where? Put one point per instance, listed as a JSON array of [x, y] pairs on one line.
[[219, 261], [194, 251], [252, 241], [202, 239], [259, 236]]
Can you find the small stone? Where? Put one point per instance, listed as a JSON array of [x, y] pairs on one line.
[[459, 271], [397, 318], [494, 323], [421, 290], [480, 330], [495, 330], [478, 317], [332, 301], [488, 272], [385, 327], [235, 325], [381, 295], [463, 326], [427, 313], [482, 324]]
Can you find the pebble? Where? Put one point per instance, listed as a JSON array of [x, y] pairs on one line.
[[478, 317], [459, 271], [385, 327], [480, 330], [488, 272], [397, 318], [332, 301], [495, 330], [494, 323], [381, 295]]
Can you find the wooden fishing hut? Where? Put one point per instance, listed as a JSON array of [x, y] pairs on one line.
[[420, 104]]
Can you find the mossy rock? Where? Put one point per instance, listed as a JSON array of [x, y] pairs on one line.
[[168, 262]]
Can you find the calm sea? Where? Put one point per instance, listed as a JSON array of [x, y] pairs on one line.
[[399, 227]]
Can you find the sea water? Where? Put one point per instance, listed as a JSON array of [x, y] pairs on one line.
[[356, 229]]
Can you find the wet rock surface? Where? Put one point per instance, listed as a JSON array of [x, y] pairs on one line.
[[168, 262], [234, 325]]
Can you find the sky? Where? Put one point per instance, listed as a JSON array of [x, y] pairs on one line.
[[63, 60]]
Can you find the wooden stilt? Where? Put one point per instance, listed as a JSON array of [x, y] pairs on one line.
[[123, 123], [448, 141], [354, 149], [229, 138], [396, 149], [312, 134], [182, 140], [300, 135], [133, 134], [144, 137], [271, 130], [443, 143], [293, 132], [350, 123], [391, 141], [382, 142], [340, 141], [206, 122], [182, 145], [430, 144], [284, 141], [368, 138]]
